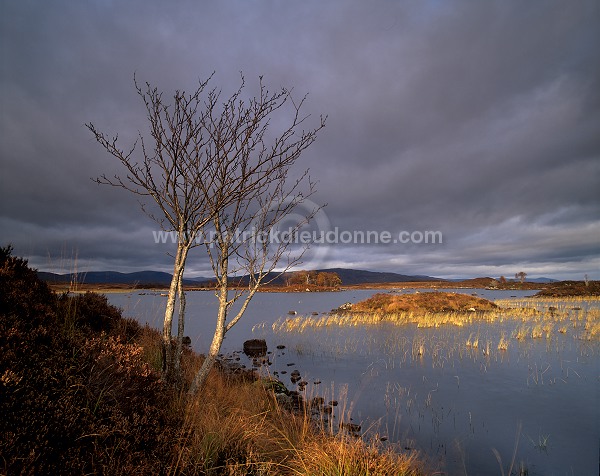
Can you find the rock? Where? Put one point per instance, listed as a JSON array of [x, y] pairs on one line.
[[255, 347], [281, 346], [187, 341], [351, 428]]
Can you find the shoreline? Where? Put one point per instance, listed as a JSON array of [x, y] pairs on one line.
[[553, 289], [127, 288]]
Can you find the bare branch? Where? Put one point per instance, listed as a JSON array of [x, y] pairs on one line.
[[216, 168]]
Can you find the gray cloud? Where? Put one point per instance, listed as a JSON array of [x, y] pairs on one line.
[[478, 119]]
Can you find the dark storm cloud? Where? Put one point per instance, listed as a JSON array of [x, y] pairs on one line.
[[477, 119]]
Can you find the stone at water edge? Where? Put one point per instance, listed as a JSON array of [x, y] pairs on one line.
[[255, 347]]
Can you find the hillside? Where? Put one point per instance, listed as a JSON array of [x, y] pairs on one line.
[[139, 278], [359, 276], [157, 278]]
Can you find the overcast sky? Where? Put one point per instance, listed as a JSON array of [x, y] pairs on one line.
[[477, 119]]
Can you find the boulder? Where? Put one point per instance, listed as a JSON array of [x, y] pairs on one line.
[[255, 347]]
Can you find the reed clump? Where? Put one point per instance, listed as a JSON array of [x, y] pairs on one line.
[[349, 456], [535, 317], [426, 310]]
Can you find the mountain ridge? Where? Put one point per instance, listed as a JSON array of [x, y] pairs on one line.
[[160, 278], [348, 276]]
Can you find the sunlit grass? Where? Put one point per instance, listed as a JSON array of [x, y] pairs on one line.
[[503, 343], [534, 318], [240, 427]]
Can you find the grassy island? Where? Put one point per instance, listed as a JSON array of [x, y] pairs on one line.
[[421, 303]]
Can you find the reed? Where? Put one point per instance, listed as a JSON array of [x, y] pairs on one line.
[[503, 343], [345, 455], [538, 318], [537, 332]]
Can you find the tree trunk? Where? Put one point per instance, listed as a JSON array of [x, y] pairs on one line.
[[180, 328], [215, 346], [167, 349]]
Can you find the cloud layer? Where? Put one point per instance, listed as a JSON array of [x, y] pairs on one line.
[[476, 119]]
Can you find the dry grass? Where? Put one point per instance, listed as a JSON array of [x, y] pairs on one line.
[[534, 317], [237, 427], [348, 456], [503, 343]]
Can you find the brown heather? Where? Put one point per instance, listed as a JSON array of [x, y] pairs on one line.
[[80, 393]]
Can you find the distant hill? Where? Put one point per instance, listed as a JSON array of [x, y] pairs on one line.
[[348, 276], [114, 277], [360, 276], [541, 280]]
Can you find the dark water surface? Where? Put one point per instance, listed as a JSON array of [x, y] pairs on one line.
[[464, 408]]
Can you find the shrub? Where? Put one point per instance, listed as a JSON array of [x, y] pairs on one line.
[[71, 403], [91, 313]]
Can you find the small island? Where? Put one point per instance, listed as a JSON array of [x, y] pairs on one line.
[[428, 302]]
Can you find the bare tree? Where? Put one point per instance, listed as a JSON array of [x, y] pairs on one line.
[[219, 166], [521, 275], [241, 241], [174, 171]]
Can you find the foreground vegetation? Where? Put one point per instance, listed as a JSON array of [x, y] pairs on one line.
[[81, 393]]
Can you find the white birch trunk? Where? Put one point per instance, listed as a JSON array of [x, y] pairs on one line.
[[180, 328], [217, 341], [180, 258]]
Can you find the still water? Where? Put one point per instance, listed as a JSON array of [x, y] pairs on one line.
[[424, 390]]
